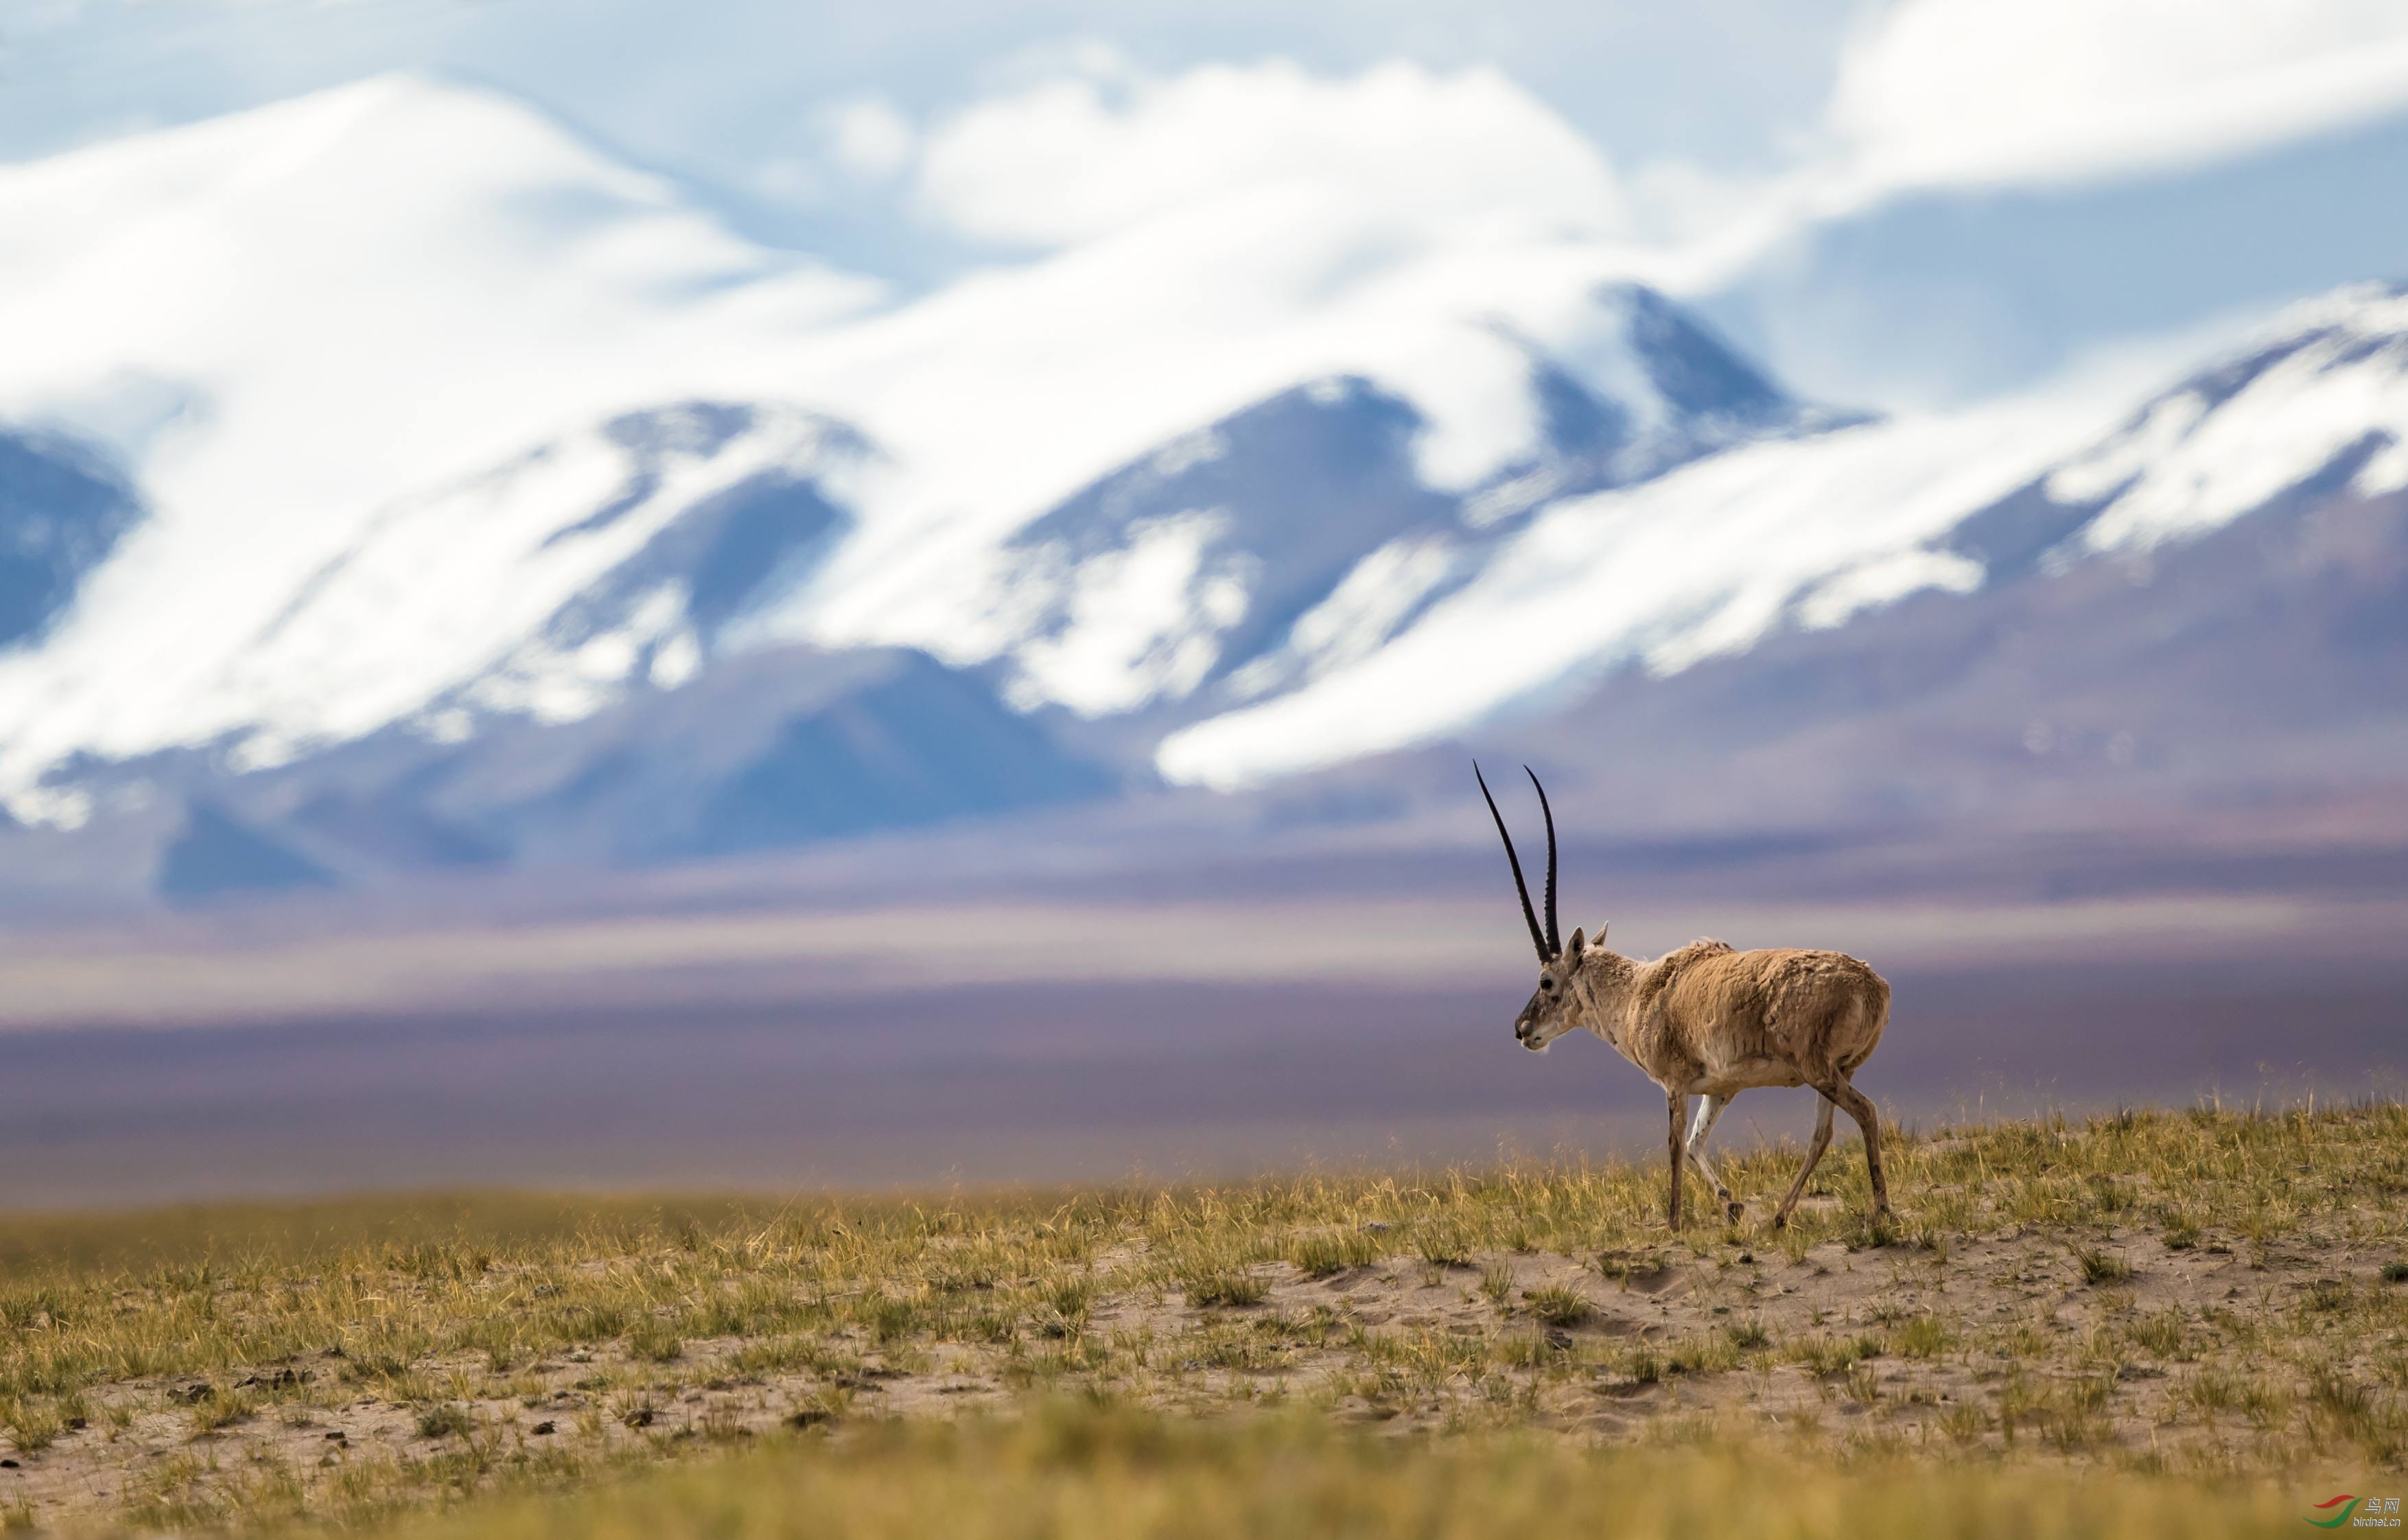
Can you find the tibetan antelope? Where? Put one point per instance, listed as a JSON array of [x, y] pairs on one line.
[[1711, 1021]]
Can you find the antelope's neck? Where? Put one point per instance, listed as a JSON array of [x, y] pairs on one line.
[[1602, 984]]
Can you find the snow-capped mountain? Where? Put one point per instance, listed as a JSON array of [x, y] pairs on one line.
[[331, 340], [2222, 714], [1297, 535], [2319, 405], [397, 483], [541, 588], [1715, 556]]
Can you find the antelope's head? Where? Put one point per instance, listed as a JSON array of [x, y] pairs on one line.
[[1555, 1007]]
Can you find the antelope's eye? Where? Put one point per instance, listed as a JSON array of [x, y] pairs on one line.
[[1547, 983]]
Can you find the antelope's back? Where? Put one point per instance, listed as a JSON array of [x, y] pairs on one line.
[[1819, 1010]]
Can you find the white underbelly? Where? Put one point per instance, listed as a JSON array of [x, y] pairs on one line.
[[1746, 1075]]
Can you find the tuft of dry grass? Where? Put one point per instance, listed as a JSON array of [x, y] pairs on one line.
[[1558, 1307], [1229, 1286], [2102, 1267]]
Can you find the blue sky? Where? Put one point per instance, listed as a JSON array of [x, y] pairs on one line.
[[1909, 203]]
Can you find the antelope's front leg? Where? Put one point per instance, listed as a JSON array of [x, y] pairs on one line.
[[1679, 1105], [1710, 1111]]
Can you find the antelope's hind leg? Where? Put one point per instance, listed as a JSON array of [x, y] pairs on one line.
[[1710, 1110], [1821, 1141], [1680, 1109], [1856, 1104]]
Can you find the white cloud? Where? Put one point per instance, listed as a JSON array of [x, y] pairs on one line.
[[1980, 92], [870, 138], [1080, 157]]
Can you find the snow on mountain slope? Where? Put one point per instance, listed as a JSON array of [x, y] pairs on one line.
[[2328, 393], [2160, 721], [548, 583], [1297, 535], [1711, 559], [541, 587], [1698, 561], [292, 323]]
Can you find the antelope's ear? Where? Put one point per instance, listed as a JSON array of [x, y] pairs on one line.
[[1572, 947]]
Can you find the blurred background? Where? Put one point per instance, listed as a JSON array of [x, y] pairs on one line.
[[750, 594]]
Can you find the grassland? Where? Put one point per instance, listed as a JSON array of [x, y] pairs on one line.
[[2140, 1324]]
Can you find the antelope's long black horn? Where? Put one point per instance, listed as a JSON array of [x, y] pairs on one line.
[[1520, 887], [1555, 936]]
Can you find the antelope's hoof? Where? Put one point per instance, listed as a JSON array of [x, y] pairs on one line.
[[1780, 1221], [1736, 1210]]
